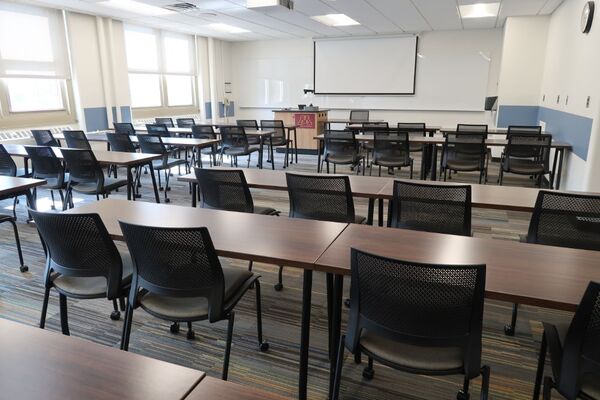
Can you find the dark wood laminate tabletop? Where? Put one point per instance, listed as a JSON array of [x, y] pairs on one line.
[[392, 127], [188, 130], [172, 141], [362, 186], [545, 276], [10, 185], [351, 121], [104, 157], [39, 364], [216, 389], [269, 239]]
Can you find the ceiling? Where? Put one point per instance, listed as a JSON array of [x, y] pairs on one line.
[[375, 16]]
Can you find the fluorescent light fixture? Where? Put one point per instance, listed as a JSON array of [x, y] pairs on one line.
[[335, 20], [226, 28], [261, 3], [480, 10], [136, 7]]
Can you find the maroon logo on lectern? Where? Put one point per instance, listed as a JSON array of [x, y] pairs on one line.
[[307, 121]]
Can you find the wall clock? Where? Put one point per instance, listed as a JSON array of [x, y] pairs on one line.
[[587, 16]]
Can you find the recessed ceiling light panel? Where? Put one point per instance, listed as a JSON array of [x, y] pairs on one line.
[[226, 28], [136, 7], [480, 10], [335, 20]]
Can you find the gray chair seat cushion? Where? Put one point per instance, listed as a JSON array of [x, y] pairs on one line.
[[91, 286], [463, 164], [265, 210], [240, 151], [110, 184], [195, 308], [411, 356], [525, 167], [393, 162], [171, 162], [279, 141], [343, 158]]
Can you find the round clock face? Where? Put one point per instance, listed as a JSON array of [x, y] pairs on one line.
[[587, 17]]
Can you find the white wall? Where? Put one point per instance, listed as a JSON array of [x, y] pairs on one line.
[[571, 69], [488, 42]]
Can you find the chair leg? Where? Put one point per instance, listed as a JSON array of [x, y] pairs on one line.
[[167, 200], [53, 202], [115, 315], [279, 285], [509, 330], [485, 382], [22, 267], [335, 392], [127, 327], [228, 345], [464, 393], [411, 170], [548, 385], [191, 335], [380, 170], [540, 368], [44, 308], [369, 372], [64, 318], [62, 197], [262, 345], [16, 200]]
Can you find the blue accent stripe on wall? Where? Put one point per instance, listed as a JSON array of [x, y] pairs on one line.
[[126, 114], [95, 118], [517, 115], [230, 109], [208, 109], [566, 127]]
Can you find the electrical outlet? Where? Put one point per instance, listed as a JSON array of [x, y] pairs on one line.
[[587, 102]]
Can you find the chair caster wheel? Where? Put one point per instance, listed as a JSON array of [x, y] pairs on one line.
[[115, 315], [264, 346], [347, 303], [174, 327], [462, 395], [161, 188], [167, 200], [23, 268], [53, 207], [169, 189], [509, 330], [191, 335], [368, 373], [278, 287], [138, 196]]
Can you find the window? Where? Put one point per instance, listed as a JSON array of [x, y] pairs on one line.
[[33, 60], [161, 68]]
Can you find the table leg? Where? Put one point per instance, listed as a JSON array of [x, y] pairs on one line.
[[194, 194], [336, 326], [559, 172], [271, 152], [305, 333], [380, 212], [156, 196], [434, 151], [424, 163], [371, 211], [261, 147], [130, 183], [329, 277], [319, 148]]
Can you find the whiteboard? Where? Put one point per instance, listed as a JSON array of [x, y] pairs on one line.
[[448, 78], [374, 65]]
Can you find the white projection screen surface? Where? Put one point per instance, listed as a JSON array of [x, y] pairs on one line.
[[365, 66]]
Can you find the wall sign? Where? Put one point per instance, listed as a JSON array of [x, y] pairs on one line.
[[306, 121]]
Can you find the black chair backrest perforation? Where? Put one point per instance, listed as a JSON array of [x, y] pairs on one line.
[[44, 137], [77, 140], [167, 121], [158, 129], [45, 163], [359, 115], [185, 122], [120, 142], [274, 125], [125, 128], [83, 167], [203, 132], [224, 190], [7, 164]]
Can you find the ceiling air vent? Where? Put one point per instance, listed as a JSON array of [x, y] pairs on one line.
[[181, 7]]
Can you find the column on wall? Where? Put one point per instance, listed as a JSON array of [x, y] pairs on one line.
[[219, 64]]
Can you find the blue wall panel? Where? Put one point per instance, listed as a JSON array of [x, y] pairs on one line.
[[517, 115], [126, 114], [95, 118]]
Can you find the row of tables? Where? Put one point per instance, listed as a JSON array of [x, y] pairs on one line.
[[545, 276], [39, 364]]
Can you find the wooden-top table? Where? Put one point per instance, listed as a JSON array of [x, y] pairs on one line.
[[430, 129], [128, 160], [10, 186], [39, 364], [216, 389]]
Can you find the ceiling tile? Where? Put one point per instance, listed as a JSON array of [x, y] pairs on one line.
[[550, 6], [367, 15], [440, 14], [403, 13]]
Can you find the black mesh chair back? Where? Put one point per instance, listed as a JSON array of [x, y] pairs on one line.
[[120, 142], [158, 129], [472, 128], [176, 262], [151, 144], [79, 245], [44, 137], [419, 304], [164, 121], [581, 348], [359, 115], [77, 140], [391, 147], [45, 163], [413, 128], [234, 138], [224, 190], [185, 122], [125, 128], [7, 164], [83, 167], [326, 198], [277, 126], [374, 126], [523, 130], [535, 147], [247, 123], [566, 220], [341, 145], [431, 208], [203, 132], [465, 149]]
